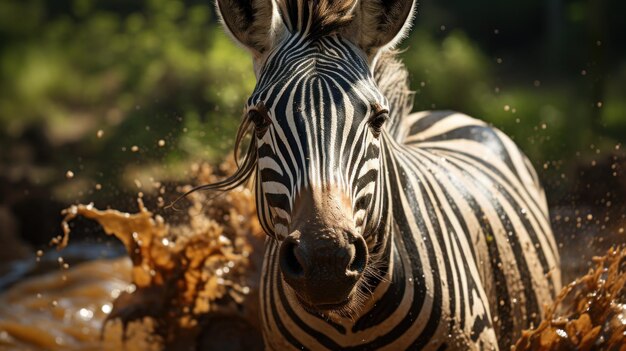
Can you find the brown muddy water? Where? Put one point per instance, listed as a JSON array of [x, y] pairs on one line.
[[193, 285]]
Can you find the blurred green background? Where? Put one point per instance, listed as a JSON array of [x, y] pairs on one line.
[[99, 99]]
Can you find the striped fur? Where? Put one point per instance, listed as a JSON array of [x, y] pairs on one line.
[[461, 251]]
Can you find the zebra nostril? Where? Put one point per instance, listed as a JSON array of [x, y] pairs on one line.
[[359, 260], [290, 262]]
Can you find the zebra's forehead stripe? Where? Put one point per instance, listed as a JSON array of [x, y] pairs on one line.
[[289, 59], [333, 132], [312, 129]]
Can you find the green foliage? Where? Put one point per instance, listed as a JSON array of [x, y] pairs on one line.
[[163, 72]]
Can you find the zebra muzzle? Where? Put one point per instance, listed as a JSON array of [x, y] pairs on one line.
[[323, 267]]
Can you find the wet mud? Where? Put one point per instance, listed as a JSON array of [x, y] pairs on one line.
[[588, 314]]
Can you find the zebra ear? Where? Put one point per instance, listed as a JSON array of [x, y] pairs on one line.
[[380, 24], [254, 24]]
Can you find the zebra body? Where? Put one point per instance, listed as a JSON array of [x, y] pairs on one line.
[[431, 232]]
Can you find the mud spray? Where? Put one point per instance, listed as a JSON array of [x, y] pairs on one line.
[[182, 287], [194, 286]]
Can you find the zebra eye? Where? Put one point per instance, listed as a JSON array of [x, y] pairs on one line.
[[261, 120], [376, 122]]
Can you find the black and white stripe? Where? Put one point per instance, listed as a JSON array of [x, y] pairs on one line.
[[461, 251]]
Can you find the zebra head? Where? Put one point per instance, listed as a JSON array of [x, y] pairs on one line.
[[317, 119]]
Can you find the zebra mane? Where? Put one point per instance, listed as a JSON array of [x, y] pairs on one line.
[[316, 18], [392, 79]]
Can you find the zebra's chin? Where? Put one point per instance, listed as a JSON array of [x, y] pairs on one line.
[[345, 309], [349, 308], [324, 307]]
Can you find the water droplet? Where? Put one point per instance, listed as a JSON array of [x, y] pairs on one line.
[[85, 314], [106, 308]]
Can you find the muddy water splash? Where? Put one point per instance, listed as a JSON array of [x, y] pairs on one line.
[[64, 310], [588, 314], [180, 282]]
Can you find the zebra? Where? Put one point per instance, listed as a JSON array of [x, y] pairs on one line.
[[386, 229]]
